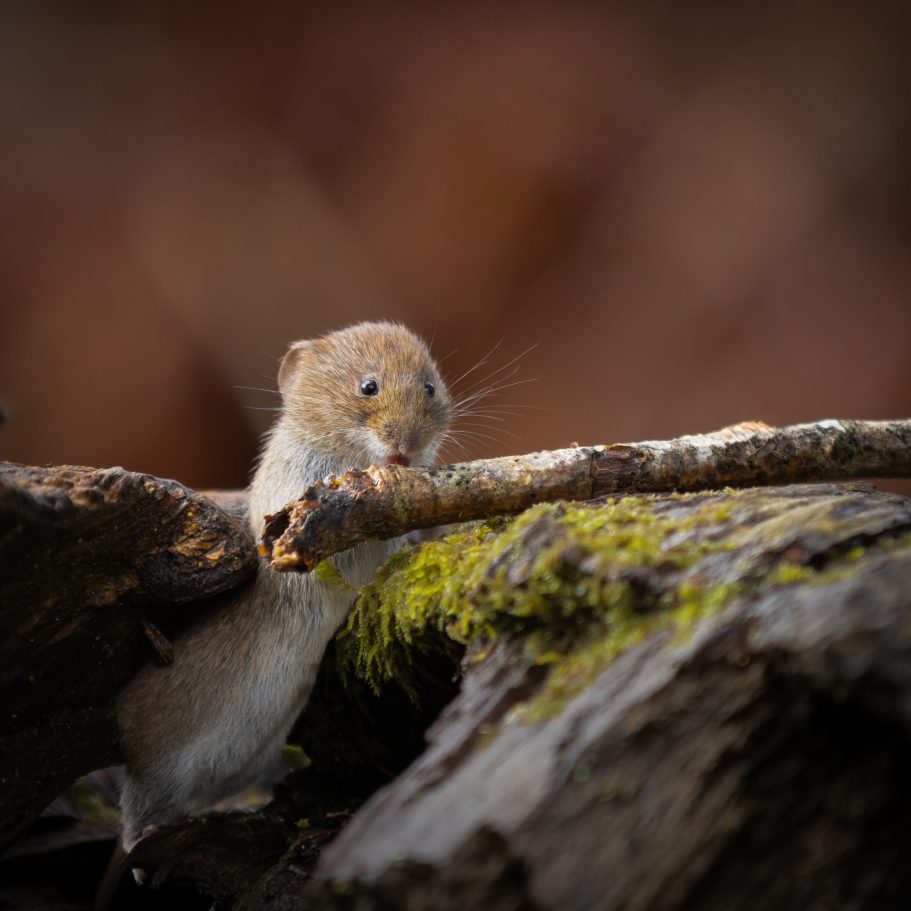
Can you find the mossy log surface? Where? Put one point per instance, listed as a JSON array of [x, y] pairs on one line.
[[86, 557], [747, 747], [693, 701], [672, 701]]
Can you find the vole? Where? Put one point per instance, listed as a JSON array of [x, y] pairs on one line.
[[203, 727]]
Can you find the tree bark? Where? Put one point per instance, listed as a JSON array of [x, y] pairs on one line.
[[758, 761], [88, 557], [384, 502]]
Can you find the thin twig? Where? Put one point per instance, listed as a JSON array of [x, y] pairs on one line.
[[384, 502]]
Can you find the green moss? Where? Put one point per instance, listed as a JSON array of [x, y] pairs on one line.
[[849, 563], [90, 807], [294, 756], [557, 574], [326, 571], [788, 573], [579, 584], [891, 545]]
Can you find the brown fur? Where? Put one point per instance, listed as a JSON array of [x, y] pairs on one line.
[[318, 379]]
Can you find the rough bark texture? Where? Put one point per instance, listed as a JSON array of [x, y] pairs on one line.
[[694, 701], [758, 761], [87, 555], [750, 754], [383, 502]]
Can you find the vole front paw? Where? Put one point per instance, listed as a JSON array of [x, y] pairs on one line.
[[139, 873]]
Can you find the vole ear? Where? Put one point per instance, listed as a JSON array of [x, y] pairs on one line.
[[291, 362]]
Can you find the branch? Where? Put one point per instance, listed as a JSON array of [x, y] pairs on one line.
[[383, 502]]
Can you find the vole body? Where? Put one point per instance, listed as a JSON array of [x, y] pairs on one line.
[[202, 727]]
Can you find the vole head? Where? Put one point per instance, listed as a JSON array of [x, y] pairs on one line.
[[368, 394]]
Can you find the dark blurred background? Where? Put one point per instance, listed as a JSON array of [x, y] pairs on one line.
[[700, 211]]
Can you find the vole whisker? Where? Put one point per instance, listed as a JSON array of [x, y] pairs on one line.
[[454, 384], [498, 421], [486, 379], [259, 389], [494, 390], [474, 434], [508, 364], [508, 433], [504, 408], [449, 440]]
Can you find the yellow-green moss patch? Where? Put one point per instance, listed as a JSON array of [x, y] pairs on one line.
[[90, 806], [582, 583], [556, 574], [327, 572]]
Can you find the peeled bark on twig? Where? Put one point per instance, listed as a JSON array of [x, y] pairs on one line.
[[383, 502]]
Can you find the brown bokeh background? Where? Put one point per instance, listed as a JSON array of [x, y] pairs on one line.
[[701, 214]]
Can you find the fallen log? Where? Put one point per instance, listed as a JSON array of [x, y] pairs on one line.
[[387, 501], [87, 555], [690, 701], [732, 732], [667, 701]]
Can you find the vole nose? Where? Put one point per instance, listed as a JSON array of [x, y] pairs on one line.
[[403, 441]]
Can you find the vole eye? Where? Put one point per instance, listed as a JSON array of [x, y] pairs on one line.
[[430, 390], [370, 387]]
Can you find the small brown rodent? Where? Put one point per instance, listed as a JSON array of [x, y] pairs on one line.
[[203, 727]]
